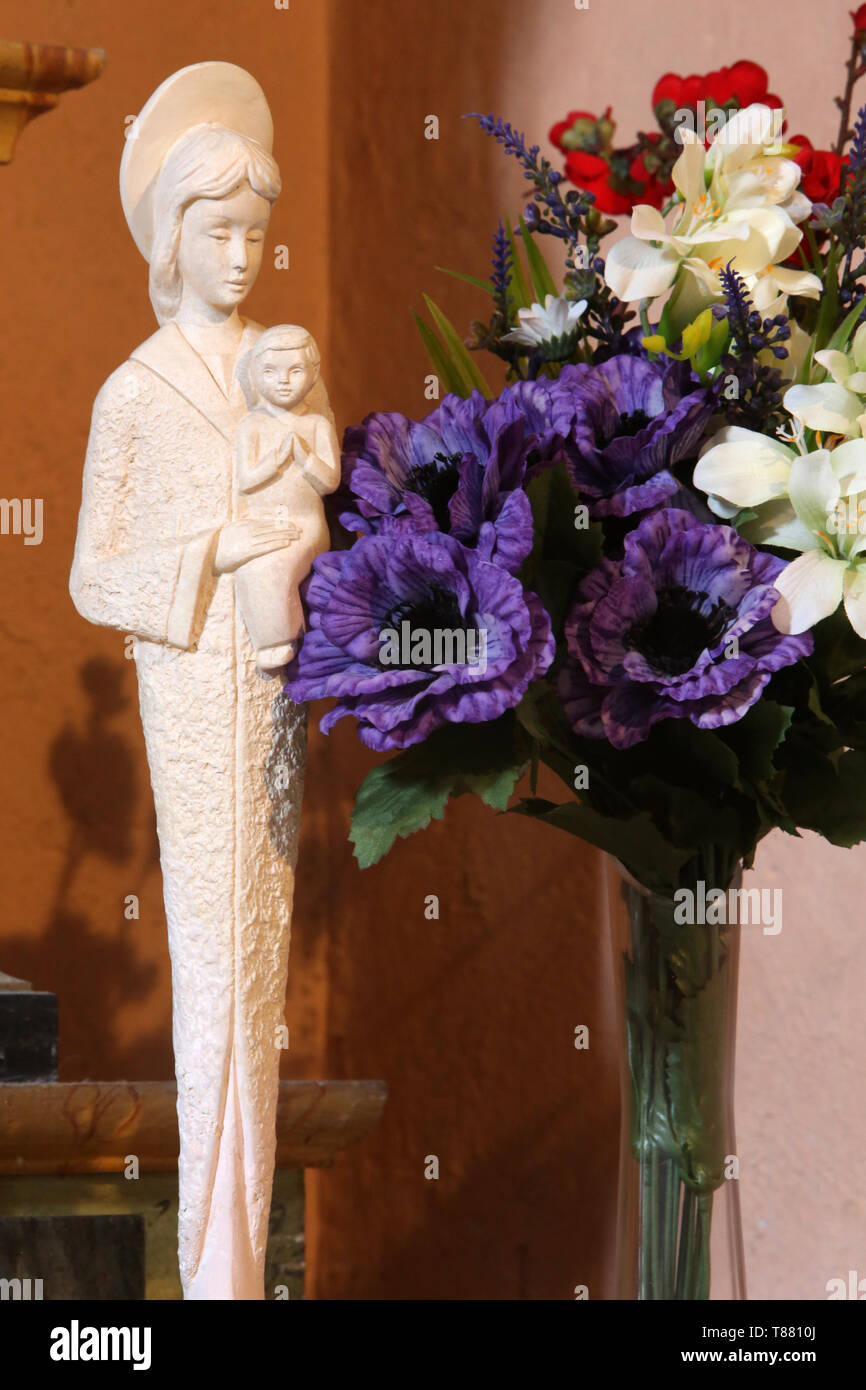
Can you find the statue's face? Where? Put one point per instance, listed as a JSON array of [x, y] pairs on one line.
[[221, 243], [283, 376]]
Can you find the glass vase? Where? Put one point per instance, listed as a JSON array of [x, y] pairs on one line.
[[679, 1234]]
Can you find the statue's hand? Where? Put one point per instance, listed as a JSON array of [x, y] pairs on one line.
[[240, 541], [302, 452]]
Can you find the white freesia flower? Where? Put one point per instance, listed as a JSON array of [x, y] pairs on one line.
[[835, 407], [551, 324], [826, 408], [737, 201], [848, 369], [812, 502]]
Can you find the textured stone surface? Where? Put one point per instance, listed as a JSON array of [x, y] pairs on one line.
[[159, 465]]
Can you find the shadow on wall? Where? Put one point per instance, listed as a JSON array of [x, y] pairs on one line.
[[470, 1017], [94, 973]]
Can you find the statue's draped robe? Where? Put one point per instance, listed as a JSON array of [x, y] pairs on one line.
[[226, 751]]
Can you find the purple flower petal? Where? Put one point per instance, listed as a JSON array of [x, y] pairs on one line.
[[678, 628]]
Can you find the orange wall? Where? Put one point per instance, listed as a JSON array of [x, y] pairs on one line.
[[471, 1018]]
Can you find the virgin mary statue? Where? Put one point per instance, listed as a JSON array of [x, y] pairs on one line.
[[159, 540]]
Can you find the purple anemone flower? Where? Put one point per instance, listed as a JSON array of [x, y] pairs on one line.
[[410, 631], [632, 421], [679, 628], [546, 408], [459, 471]]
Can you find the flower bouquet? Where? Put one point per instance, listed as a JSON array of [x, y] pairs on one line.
[[628, 545]]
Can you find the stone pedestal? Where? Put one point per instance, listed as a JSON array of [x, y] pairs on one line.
[[78, 1215]]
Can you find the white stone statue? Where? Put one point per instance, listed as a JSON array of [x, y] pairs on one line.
[[287, 458], [169, 535]]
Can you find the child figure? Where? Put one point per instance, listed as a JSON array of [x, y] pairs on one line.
[[287, 459]]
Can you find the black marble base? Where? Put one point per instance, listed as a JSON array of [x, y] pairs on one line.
[[71, 1257], [28, 1036]]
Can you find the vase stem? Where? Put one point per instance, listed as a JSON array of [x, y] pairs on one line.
[[679, 1232]]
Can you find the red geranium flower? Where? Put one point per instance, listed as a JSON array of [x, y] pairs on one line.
[[656, 191], [590, 172], [587, 165], [744, 82], [558, 130], [822, 169], [682, 91]]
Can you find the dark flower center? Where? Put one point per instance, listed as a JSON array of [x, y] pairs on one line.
[[628, 425], [437, 483], [434, 610], [683, 625]]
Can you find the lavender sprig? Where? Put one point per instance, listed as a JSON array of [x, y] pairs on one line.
[[857, 152], [757, 401], [568, 218], [501, 276], [845, 218]]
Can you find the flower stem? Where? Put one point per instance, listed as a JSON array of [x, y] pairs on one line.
[[853, 70], [684, 1259]]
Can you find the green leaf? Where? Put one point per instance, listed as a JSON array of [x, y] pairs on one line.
[[541, 714], [484, 285], [542, 280], [665, 326], [561, 551], [693, 757], [458, 351], [519, 288], [839, 651], [637, 841], [394, 800], [755, 738], [826, 798], [442, 365], [846, 702], [412, 788], [839, 340], [684, 816]]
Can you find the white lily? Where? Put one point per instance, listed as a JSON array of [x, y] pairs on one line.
[[737, 201], [812, 502], [551, 324]]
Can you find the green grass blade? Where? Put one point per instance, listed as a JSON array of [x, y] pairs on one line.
[[542, 280], [442, 365], [519, 288], [458, 351], [484, 285]]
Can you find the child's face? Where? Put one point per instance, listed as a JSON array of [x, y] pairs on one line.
[[284, 376]]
